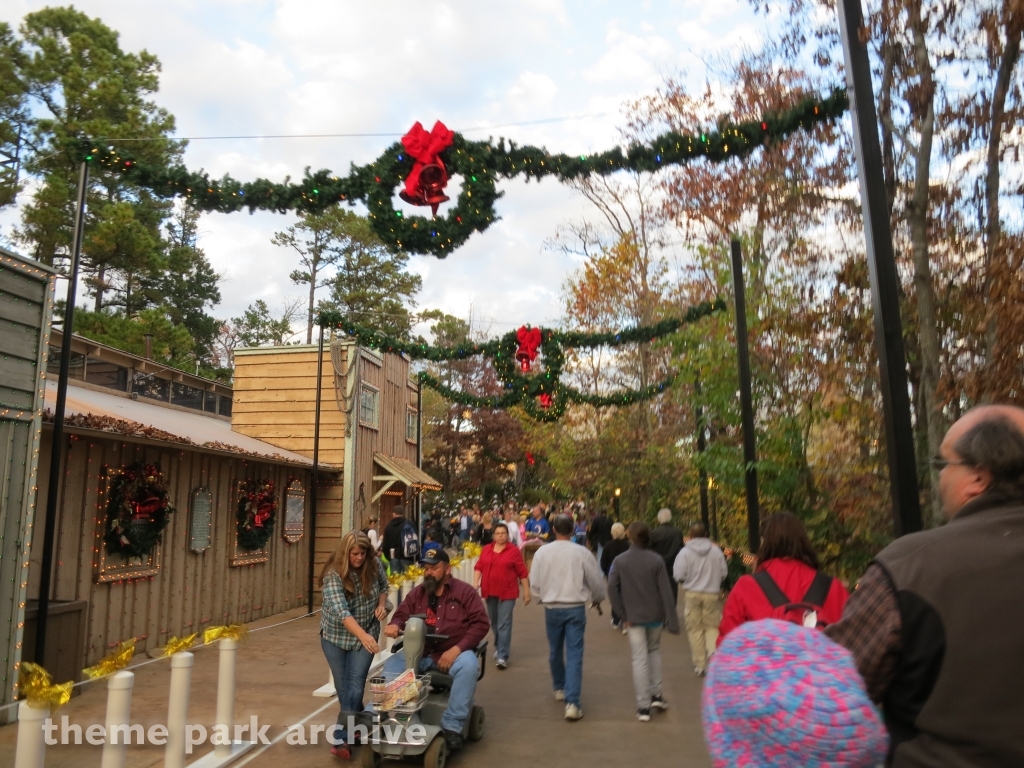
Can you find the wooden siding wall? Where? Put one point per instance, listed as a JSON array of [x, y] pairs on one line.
[[390, 374], [275, 401], [191, 591], [25, 306]]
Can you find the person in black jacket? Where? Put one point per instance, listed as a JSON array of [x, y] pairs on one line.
[[615, 547], [391, 541], [600, 534], [667, 541]]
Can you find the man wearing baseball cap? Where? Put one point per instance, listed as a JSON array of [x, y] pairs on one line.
[[452, 608]]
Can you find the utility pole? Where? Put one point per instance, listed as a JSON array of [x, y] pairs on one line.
[[892, 359], [746, 402]]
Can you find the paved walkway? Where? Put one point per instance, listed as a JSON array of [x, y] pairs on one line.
[[279, 668]]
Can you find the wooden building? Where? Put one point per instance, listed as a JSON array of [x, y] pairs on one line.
[[26, 299], [123, 409], [369, 427]]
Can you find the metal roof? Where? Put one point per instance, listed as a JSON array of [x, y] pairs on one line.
[[200, 431], [406, 472]]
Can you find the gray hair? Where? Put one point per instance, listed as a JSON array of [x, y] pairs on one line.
[[996, 445], [618, 531], [664, 515]]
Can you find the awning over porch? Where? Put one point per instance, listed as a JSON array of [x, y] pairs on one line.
[[402, 471]]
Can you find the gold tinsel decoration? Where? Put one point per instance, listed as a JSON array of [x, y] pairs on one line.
[[114, 661], [36, 687], [179, 644], [229, 632]]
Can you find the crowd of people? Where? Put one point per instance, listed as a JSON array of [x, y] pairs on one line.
[[920, 666]]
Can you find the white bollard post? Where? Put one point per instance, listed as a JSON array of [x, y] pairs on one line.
[[31, 740], [226, 692], [177, 709], [119, 710]]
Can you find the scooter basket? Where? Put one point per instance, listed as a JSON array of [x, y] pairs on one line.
[[405, 693]]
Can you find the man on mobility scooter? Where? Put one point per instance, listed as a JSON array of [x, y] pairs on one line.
[[454, 610]]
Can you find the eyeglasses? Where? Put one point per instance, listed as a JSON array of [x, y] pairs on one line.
[[938, 463]]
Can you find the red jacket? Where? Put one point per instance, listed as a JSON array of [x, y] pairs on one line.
[[460, 615], [747, 601], [500, 572]]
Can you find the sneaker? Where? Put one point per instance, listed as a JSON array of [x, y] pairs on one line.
[[615, 624], [699, 672], [502, 664], [573, 712], [625, 631], [341, 751], [452, 739], [658, 703], [643, 715], [559, 695]]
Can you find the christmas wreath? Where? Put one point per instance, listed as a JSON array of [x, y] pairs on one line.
[[257, 511], [138, 510]]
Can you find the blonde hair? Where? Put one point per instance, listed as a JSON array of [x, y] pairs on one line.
[[339, 562], [618, 531]]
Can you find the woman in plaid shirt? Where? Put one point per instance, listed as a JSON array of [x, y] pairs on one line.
[[355, 591]]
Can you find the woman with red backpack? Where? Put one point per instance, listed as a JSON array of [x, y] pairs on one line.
[[786, 584]]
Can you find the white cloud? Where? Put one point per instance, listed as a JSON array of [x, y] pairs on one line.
[[322, 67]]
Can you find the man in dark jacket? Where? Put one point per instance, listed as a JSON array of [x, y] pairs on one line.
[[640, 593], [392, 544], [452, 608], [667, 540], [935, 625]]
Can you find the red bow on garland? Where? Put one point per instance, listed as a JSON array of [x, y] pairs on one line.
[[529, 342], [426, 181], [546, 401], [145, 508], [262, 513]]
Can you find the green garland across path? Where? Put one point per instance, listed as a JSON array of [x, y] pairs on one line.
[[520, 387], [479, 163]]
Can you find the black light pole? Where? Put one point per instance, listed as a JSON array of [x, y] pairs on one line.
[[57, 442], [316, 465], [892, 360], [746, 402], [618, 494], [702, 476]]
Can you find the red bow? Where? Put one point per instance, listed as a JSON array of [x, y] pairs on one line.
[[146, 507], [428, 177], [262, 513], [529, 341], [529, 459], [545, 400]]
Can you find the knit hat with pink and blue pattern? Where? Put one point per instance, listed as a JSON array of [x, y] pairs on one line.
[[780, 695]]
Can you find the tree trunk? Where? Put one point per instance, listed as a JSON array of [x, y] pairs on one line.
[[917, 215], [993, 235], [100, 277], [312, 300]]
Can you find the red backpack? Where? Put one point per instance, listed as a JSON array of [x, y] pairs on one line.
[[804, 612]]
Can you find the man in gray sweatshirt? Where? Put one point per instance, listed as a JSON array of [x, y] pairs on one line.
[[640, 593], [701, 569], [565, 579]]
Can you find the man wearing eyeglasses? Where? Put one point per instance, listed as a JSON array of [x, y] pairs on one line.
[[936, 625]]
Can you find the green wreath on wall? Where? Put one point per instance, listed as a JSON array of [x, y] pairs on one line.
[[138, 510], [256, 514]]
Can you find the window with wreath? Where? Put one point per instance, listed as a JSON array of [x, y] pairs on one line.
[[369, 405]]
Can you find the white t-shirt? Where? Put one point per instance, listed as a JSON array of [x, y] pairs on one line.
[[513, 533], [372, 535]]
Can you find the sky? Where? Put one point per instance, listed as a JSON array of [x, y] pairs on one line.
[[271, 67]]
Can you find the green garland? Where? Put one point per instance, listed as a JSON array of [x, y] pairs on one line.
[[522, 388], [257, 512], [138, 510], [479, 164]]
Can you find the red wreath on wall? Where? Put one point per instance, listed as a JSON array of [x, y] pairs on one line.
[[257, 513], [138, 510]]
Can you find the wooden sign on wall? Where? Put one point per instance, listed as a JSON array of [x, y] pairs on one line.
[[294, 512], [200, 524]]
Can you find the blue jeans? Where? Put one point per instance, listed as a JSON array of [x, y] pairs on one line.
[[500, 613], [565, 628], [349, 669], [460, 699]]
